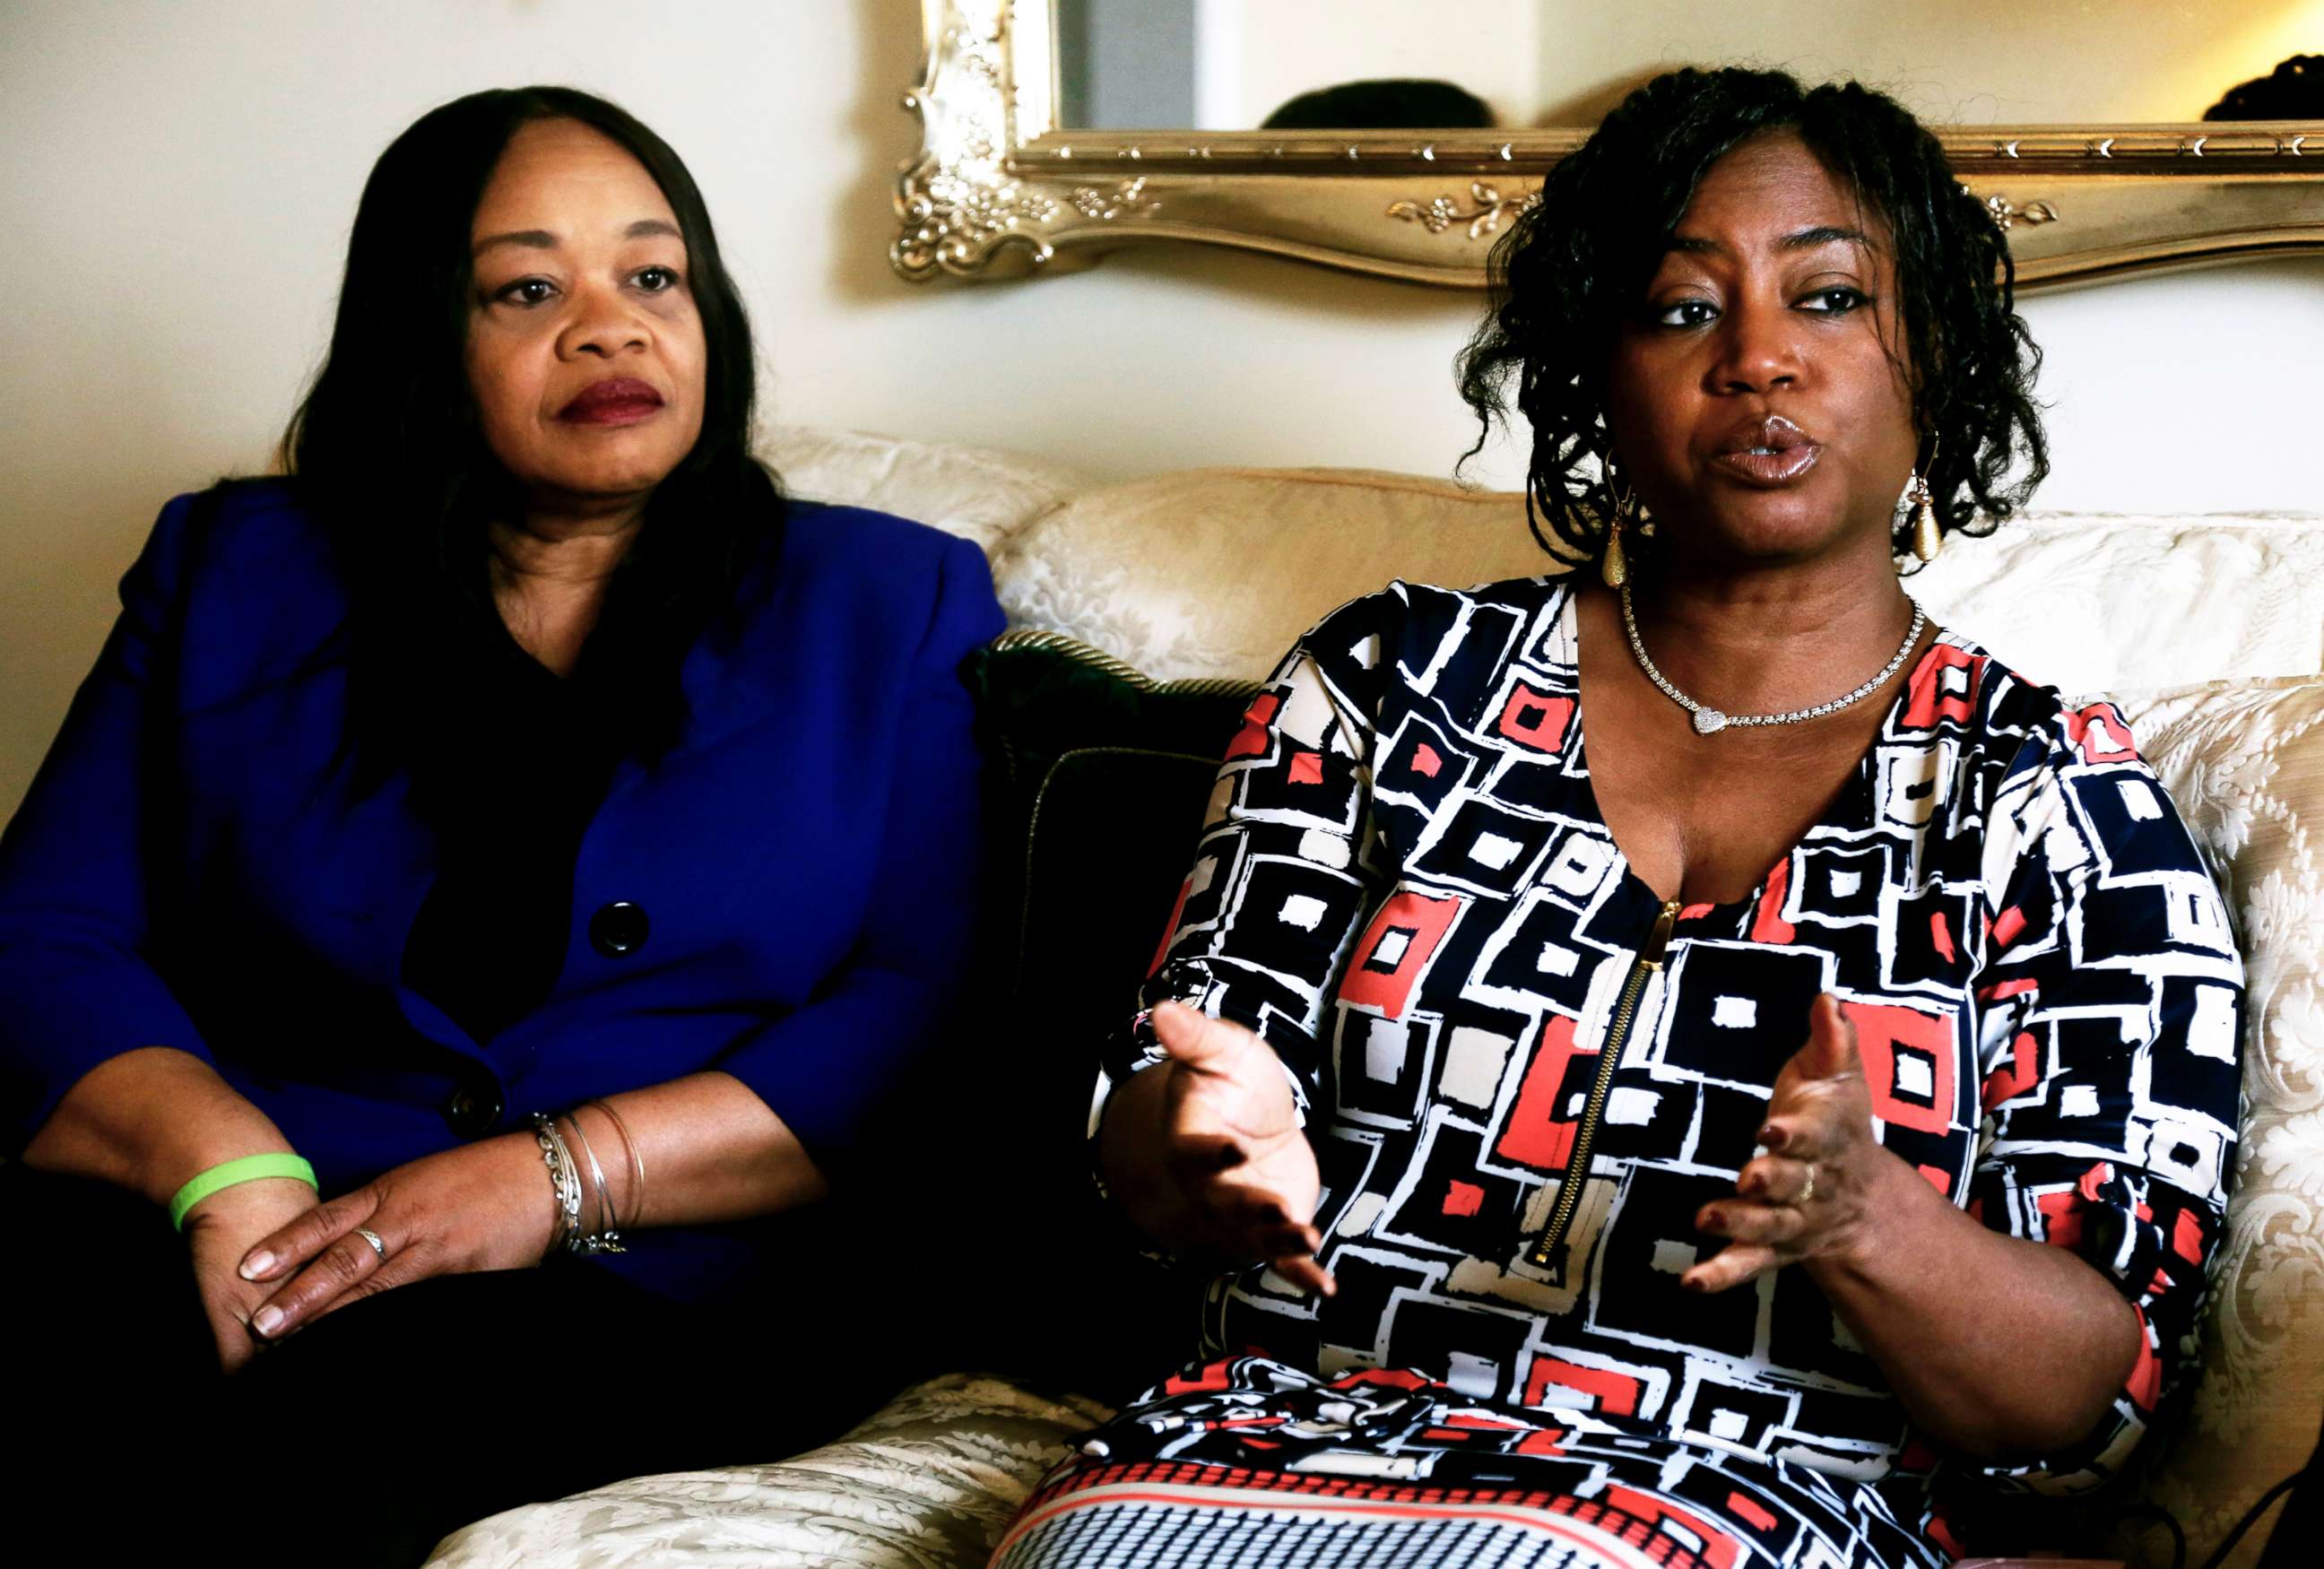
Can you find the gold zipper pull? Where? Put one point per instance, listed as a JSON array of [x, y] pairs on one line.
[[1658, 940], [1544, 1252]]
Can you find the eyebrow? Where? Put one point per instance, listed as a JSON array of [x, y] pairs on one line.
[[542, 240], [1808, 239]]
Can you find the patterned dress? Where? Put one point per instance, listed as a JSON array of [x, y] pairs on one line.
[[1524, 1075]]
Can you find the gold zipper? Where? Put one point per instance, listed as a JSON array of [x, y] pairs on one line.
[[1610, 1053]]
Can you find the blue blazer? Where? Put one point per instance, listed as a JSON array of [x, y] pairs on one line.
[[196, 865]]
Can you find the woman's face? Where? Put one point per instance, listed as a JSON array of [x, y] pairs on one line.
[[1758, 397], [585, 350]]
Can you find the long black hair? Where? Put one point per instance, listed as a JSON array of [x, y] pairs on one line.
[[1571, 271], [388, 449]]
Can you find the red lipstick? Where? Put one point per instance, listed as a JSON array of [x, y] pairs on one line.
[[1766, 450], [616, 400]]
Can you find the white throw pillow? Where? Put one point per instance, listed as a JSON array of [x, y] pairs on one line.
[[978, 493]]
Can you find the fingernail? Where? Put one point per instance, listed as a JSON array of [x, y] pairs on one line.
[[1771, 1137], [1691, 1282], [257, 1264], [268, 1320]]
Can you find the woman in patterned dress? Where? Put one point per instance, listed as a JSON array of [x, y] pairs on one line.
[[1713, 1147]]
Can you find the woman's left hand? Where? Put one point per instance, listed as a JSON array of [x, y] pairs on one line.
[[1808, 1196], [486, 1206]]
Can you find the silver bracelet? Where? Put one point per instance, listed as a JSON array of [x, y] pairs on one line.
[[636, 1161], [593, 1190], [564, 1180], [602, 1238]]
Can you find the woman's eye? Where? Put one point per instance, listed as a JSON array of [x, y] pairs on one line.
[[1835, 301], [1686, 313], [526, 291], [655, 280]]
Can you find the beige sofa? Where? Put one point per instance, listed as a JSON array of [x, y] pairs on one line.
[[2210, 631]]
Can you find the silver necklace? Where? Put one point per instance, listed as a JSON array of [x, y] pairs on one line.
[[1709, 721]]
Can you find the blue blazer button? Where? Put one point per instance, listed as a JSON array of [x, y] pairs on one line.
[[618, 929], [472, 1110]]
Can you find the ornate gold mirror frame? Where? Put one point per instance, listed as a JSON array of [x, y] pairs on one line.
[[1000, 191]]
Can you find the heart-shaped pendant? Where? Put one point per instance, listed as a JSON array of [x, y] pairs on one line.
[[1709, 720]]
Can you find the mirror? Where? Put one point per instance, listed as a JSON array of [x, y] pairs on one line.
[[1239, 64], [1056, 130]]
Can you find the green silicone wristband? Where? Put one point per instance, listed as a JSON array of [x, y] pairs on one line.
[[249, 1168]]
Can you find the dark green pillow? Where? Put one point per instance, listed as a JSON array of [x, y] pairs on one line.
[[1099, 781], [1099, 778]]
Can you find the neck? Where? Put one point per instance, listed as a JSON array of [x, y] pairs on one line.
[[1774, 638], [550, 571], [566, 545]]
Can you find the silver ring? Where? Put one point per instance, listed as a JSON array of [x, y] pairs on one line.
[[380, 1248], [1807, 1190]]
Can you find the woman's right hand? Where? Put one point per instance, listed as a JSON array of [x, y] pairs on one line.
[[1205, 1150], [147, 1120], [219, 1231]]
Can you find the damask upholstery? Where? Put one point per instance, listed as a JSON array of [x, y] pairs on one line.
[[928, 1483], [2245, 761], [1211, 573], [1254, 557], [977, 494]]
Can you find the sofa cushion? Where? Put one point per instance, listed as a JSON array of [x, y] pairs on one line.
[[2245, 761], [928, 1483], [980, 494], [1214, 572], [2113, 604], [931, 1481]]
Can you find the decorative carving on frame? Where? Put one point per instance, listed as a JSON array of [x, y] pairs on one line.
[[997, 189], [1483, 219], [2008, 214]]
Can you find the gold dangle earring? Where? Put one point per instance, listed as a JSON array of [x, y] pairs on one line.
[[1613, 567], [1927, 538]]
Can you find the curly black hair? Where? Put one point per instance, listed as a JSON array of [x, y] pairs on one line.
[[2293, 90], [1571, 271]]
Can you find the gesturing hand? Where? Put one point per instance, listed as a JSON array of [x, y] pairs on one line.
[[1217, 1159], [1806, 1196], [481, 1206]]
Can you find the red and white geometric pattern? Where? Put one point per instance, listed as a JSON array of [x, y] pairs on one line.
[[1406, 888]]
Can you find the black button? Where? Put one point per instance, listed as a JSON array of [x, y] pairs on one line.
[[618, 929], [473, 1110]]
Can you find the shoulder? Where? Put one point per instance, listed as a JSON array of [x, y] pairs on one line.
[[2012, 722], [875, 550], [882, 576], [1418, 626], [2062, 785], [859, 540], [243, 566], [241, 526]]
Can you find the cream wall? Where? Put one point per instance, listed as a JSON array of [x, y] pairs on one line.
[[177, 179]]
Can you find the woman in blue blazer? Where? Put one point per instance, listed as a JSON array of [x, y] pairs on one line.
[[520, 834]]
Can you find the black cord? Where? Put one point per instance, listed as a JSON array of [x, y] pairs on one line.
[[2168, 1522], [2252, 1515]]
